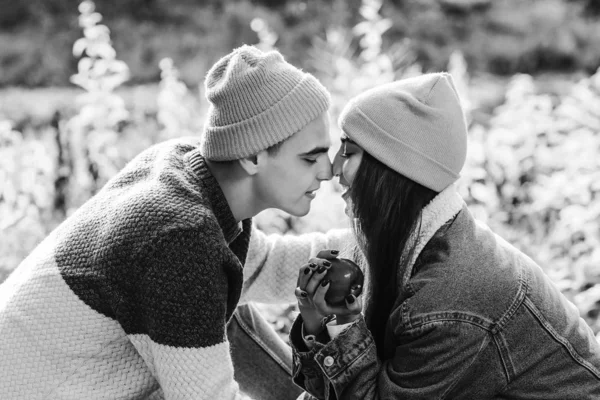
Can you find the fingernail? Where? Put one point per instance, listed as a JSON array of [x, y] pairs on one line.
[[326, 263], [325, 282], [350, 299], [303, 294], [335, 252], [306, 271], [312, 265], [320, 269]]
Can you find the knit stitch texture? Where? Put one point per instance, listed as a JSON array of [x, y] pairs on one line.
[[256, 101], [130, 296], [415, 126]]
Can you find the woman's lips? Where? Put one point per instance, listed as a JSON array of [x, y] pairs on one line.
[[346, 193]]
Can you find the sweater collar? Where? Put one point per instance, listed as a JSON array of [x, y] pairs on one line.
[[445, 206], [230, 227]]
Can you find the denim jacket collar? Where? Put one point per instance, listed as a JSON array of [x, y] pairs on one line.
[[445, 206]]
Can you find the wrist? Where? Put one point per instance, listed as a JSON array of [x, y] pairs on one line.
[[312, 329], [311, 323]]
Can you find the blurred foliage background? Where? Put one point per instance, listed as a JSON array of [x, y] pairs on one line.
[[501, 36], [85, 88]]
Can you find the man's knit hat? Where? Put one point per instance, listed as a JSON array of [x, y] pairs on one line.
[[415, 126], [257, 100]]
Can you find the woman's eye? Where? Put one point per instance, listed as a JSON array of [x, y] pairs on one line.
[[348, 150], [310, 160]]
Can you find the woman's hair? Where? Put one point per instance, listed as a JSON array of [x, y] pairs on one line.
[[387, 209]]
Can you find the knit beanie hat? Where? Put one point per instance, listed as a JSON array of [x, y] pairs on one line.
[[415, 126], [257, 100]]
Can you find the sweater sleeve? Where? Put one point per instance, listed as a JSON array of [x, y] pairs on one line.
[[273, 261], [177, 319]]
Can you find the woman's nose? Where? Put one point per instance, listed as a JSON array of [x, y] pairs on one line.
[[338, 161]]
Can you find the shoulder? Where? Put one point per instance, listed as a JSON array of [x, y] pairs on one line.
[[466, 272]]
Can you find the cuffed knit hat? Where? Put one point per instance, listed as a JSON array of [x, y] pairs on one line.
[[415, 126], [257, 100]]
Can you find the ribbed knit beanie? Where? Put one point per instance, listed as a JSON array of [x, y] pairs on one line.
[[257, 100], [415, 126]]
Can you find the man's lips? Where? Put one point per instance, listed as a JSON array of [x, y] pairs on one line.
[[312, 193]]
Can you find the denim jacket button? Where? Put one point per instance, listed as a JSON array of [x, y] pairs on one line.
[[328, 361]]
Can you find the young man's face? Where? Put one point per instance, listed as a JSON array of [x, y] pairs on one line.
[[290, 177]]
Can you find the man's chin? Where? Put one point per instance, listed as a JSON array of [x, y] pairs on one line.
[[299, 211]]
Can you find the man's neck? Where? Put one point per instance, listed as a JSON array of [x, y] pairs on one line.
[[237, 190]]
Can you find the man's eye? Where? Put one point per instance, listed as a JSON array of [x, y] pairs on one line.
[[310, 160]]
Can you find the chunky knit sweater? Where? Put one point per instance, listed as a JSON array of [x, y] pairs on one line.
[[130, 296]]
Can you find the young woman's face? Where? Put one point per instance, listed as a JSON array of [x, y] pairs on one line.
[[345, 165]]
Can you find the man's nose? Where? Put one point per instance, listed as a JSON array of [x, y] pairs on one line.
[[325, 174]]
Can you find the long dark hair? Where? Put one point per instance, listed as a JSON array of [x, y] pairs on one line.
[[387, 209]]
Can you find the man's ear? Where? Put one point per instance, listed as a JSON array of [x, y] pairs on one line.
[[253, 164]]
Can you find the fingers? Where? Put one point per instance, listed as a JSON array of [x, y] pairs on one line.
[[319, 264], [354, 304], [305, 273], [352, 307], [328, 254], [317, 277], [319, 298], [300, 294]]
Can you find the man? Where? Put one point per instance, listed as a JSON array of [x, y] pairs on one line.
[[131, 295]]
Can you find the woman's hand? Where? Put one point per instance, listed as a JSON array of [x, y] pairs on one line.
[[311, 290]]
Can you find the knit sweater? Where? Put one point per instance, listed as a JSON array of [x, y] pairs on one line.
[[130, 296]]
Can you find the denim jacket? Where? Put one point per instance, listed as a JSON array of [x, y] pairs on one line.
[[474, 318]]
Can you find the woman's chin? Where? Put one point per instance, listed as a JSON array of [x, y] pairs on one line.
[[348, 208]]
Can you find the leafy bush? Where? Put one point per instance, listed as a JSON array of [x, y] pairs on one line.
[[531, 173], [503, 37], [533, 176]]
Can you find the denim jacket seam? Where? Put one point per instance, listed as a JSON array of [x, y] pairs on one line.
[[405, 315], [484, 344], [507, 363], [516, 303], [473, 320], [564, 342]]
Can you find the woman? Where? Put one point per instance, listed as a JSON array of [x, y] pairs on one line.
[[452, 311]]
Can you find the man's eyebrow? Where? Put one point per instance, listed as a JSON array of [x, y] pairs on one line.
[[316, 150]]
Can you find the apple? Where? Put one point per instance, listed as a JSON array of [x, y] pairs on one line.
[[344, 275]]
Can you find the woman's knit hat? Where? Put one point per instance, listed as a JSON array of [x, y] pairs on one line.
[[415, 126], [257, 100]]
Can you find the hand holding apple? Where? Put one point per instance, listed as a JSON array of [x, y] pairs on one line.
[[346, 278], [329, 285]]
